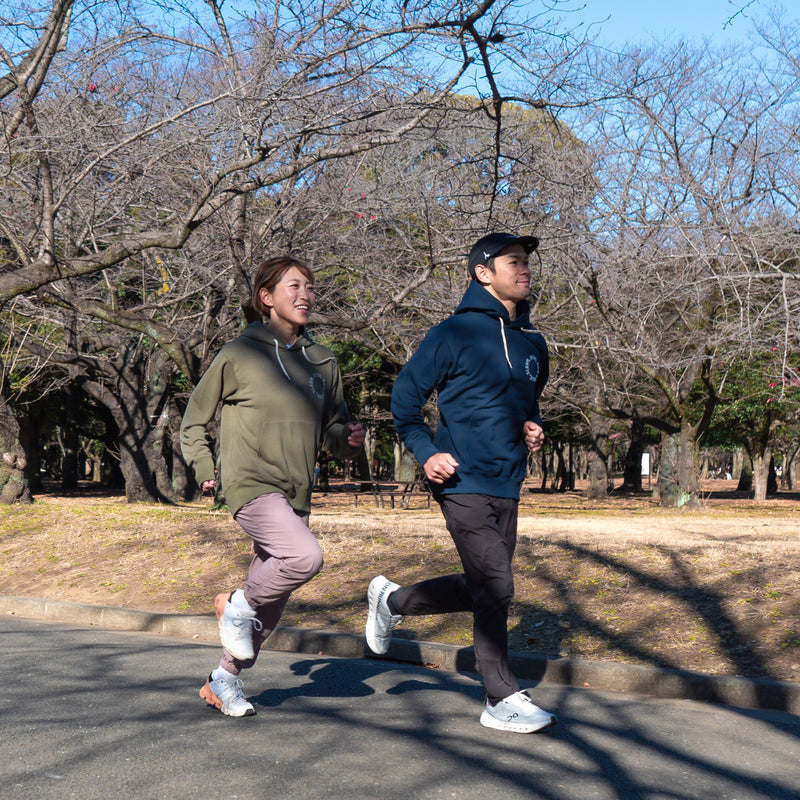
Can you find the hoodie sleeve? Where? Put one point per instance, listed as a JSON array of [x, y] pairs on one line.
[[413, 387], [336, 430], [197, 444]]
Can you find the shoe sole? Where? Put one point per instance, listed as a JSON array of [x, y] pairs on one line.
[[373, 596], [488, 721], [208, 695], [219, 609]]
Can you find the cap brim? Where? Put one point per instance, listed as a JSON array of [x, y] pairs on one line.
[[529, 243]]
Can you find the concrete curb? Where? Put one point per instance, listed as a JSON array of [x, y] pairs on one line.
[[603, 675]]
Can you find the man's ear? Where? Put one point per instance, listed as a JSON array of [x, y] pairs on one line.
[[480, 274]]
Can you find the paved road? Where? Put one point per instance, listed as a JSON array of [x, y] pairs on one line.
[[89, 713]]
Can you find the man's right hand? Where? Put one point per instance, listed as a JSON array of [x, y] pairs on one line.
[[439, 467]]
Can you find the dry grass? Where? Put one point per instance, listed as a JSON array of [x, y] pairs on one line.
[[714, 590]]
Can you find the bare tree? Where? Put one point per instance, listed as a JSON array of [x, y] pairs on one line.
[[683, 266], [142, 154]]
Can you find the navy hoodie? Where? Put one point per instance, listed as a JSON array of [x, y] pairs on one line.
[[488, 372]]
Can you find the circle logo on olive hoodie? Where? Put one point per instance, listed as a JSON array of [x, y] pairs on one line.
[[316, 383]]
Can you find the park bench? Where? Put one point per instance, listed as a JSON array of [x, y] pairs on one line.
[[400, 493]]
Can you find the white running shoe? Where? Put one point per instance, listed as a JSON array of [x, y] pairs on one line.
[[236, 627], [516, 713], [228, 697], [380, 621]]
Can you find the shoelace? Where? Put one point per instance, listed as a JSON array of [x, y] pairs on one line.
[[233, 689], [520, 697], [254, 621]]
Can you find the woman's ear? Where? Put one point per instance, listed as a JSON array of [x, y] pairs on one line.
[[265, 295]]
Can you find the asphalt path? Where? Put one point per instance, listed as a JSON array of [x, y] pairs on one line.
[[91, 713]]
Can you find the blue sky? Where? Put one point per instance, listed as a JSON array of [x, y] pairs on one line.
[[643, 21]]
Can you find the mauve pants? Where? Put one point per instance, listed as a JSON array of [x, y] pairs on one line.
[[285, 556], [484, 530]]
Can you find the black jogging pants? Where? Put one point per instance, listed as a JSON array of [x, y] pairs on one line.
[[484, 530]]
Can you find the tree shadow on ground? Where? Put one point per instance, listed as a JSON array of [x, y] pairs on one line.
[[632, 632]]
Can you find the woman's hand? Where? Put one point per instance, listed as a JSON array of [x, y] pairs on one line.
[[357, 434]]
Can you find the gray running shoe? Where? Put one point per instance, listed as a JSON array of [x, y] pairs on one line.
[[380, 621], [236, 627], [227, 696], [516, 713]]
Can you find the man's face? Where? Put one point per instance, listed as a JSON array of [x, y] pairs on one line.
[[511, 280]]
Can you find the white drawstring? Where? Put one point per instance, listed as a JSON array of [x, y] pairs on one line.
[[278, 356], [305, 355], [316, 363], [505, 344]]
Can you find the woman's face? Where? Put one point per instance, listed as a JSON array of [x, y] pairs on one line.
[[291, 301]]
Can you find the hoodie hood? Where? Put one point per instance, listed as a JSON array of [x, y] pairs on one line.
[[479, 300], [261, 333], [476, 298], [303, 346], [315, 353]]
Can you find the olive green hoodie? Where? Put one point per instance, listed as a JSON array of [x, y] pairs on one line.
[[280, 404]]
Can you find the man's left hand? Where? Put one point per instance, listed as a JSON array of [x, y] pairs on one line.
[[534, 436]]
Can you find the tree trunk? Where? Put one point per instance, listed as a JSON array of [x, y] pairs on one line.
[[161, 460], [678, 477], [794, 472], [745, 474], [406, 467], [14, 486], [369, 455], [95, 471], [69, 442], [761, 468], [772, 479], [571, 466], [140, 473], [632, 481], [183, 482], [598, 459], [738, 460], [561, 476], [139, 404], [704, 467], [324, 483], [30, 440], [790, 465]]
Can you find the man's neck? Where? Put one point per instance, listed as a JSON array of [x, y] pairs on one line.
[[509, 305]]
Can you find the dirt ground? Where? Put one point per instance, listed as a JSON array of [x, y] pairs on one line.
[[716, 590]]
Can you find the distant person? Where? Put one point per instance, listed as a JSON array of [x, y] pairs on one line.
[[282, 400], [488, 366]]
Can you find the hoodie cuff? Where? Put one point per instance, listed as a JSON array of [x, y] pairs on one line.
[[424, 451], [204, 470]]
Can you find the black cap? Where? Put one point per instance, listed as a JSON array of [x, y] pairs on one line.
[[491, 244]]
